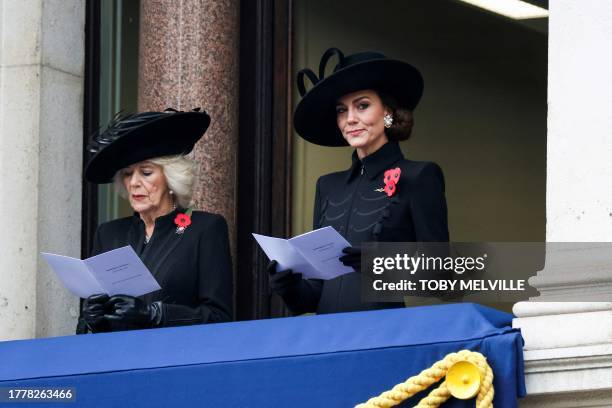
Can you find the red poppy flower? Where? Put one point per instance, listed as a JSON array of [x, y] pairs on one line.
[[388, 176], [390, 189], [392, 175], [182, 220], [396, 173]]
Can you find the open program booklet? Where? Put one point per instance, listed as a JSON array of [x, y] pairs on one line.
[[313, 254], [119, 271]]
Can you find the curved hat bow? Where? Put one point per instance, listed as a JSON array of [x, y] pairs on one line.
[[322, 66]]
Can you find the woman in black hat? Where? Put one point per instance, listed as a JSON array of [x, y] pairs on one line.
[[367, 103], [186, 251]]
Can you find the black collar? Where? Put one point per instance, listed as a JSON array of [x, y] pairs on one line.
[[377, 162], [164, 221]]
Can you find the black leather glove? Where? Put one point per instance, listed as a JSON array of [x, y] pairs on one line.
[[352, 258], [127, 312], [94, 311], [283, 281]]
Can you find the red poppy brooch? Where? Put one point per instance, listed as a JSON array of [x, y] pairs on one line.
[[391, 179], [182, 221]]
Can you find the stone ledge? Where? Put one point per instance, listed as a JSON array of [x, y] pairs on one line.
[[569, 382], [568, 353], [555, 331], [590, 399], [533, 308]]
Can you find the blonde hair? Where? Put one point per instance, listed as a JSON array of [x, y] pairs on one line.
[[180, 174]]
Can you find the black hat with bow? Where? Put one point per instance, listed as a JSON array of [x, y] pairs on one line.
[[142, 136], [315, 115]]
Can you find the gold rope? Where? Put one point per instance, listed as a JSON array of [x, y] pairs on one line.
[[429, 376]]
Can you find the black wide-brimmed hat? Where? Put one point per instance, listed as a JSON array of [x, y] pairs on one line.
[[142, 136], [315, 116]]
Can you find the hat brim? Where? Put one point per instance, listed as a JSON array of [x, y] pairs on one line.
[[315, 115], [170, 134]]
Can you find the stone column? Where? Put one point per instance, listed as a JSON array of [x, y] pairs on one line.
[[188, 58], [41, 139], [568, 345]]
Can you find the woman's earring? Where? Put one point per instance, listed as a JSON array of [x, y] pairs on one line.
[[388, 119], [173, 200]]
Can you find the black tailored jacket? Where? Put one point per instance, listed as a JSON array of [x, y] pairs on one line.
[[194, 268], [349, 202]]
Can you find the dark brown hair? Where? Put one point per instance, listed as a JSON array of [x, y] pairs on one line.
[[402, 118]]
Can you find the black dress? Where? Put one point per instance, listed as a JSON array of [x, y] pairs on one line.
[[349, 202], [193, 268]]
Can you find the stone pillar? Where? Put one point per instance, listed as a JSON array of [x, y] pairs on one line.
[[568, 345], [189, 52], [41, 139]]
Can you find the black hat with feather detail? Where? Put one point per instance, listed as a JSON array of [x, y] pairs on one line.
[[141, 136], [314, 118]]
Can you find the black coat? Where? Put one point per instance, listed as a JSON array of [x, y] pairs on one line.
[[349, 202], [193, 268]]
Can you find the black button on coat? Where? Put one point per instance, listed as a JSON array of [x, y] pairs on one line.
[[193, 268], [349, 202]]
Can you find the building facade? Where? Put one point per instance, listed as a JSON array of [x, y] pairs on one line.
[[517, 114]]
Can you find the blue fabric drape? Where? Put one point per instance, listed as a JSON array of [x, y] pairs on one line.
[[335, 360]]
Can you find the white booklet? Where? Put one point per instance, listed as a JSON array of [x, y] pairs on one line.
[[115, 272], [313, 254]]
